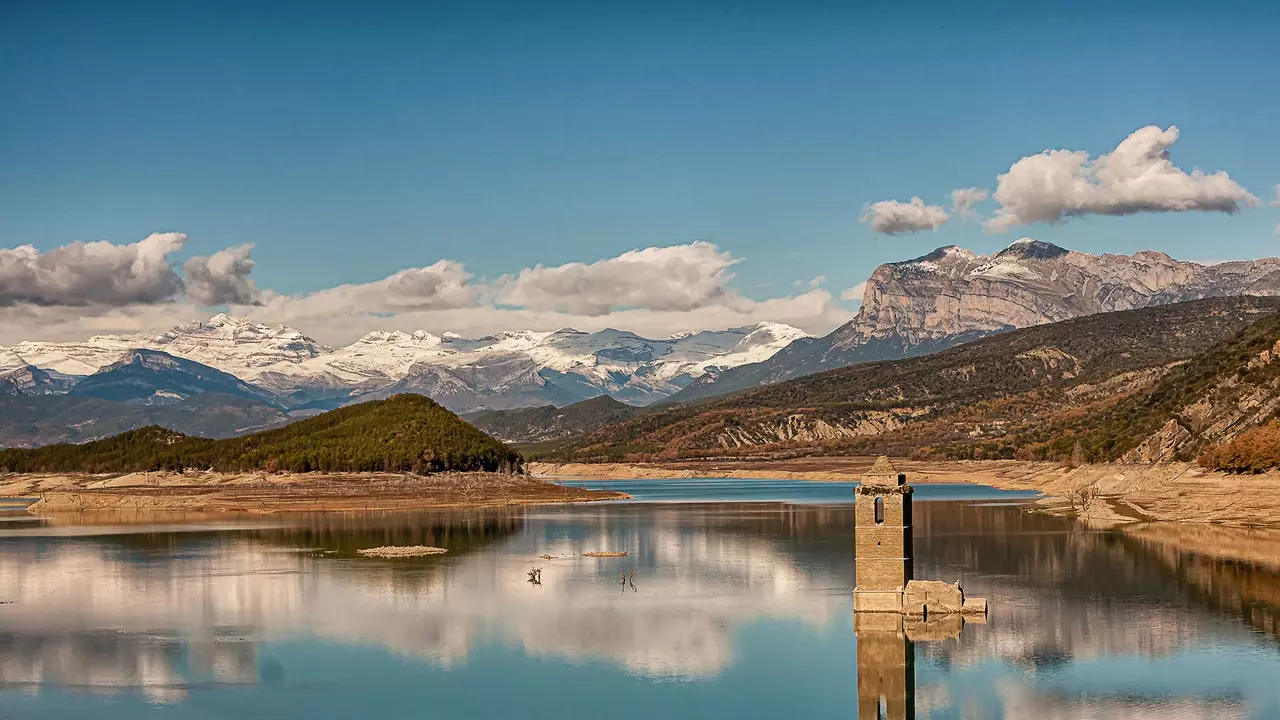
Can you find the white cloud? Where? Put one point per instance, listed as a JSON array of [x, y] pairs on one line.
[[673, 278], [94, 273], [653, 292], [443, 285], [1137, 176], [855, 293], [892, 217], [814, 311], [222, 278], [1276, 201], [963, 200]]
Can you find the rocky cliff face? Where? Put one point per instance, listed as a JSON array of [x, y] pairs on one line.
[[953, 291], [953, 295]]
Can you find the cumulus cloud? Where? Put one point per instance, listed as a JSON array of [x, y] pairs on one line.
[[94, 273], [1138, 176], [1276, 201], [654, 292], [963, 200], [443, 285], [892, 217], [222, 278], [672, 278]]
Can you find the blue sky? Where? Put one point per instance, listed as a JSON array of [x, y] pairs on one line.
[[350, 141]]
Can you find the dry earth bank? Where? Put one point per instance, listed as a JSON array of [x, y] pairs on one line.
[[284, 492], [1167, 492]]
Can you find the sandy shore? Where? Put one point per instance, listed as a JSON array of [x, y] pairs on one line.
[[1172, 492], [271, 493]]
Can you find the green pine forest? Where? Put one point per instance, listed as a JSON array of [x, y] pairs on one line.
[[405, 433]]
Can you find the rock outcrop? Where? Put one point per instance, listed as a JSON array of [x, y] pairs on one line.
[[953, 295]]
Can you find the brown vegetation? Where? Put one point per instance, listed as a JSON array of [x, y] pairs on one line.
[[1255, 451]]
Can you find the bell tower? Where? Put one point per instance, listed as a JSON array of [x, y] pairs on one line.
[[882, 539]]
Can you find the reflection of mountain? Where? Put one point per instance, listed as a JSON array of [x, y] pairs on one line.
[[1245, 588], [1059, 593]]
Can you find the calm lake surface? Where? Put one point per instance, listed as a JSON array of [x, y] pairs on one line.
[[740, 607]]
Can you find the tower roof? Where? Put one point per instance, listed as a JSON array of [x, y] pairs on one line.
[[882, 473], [882, 466]]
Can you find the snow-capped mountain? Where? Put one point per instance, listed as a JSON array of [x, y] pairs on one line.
[[229, 344], [510, 369]]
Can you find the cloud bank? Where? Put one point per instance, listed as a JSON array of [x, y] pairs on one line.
[[67, 294], [1138, 176], [891, 217]]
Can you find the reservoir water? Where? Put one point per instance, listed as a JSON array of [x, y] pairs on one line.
[[739, 606]]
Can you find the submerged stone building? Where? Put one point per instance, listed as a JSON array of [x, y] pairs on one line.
[[892, 610], [883, 553]]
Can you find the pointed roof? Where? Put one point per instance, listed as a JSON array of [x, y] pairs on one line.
[[882, 466], [882, 472]]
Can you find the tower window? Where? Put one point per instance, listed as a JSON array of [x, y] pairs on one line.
[[879, 511]]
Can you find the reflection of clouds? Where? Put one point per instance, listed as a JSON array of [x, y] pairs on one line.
[[104, 660], [100, 614], [219, 600]]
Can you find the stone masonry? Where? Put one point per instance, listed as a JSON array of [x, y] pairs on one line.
[[883, 554]]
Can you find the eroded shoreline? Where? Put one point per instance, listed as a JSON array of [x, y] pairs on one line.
[[1114, 493], [203, 492]]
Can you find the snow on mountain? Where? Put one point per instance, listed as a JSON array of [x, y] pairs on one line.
[[10, 360], [229, 344], [236, 345], [509, 369], [76, 358]]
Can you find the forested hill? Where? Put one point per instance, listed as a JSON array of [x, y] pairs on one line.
[[405, 433]]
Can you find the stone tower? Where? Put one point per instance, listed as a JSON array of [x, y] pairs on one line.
[[882, 539]]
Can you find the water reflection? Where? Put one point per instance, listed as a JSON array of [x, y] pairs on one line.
[[746, 605]]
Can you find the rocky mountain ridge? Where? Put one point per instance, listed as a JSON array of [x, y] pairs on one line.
[[1112, 382], [953, 295]]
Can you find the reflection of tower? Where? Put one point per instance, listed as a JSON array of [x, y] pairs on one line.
[[887, 660], [882, 539], [886, 668]]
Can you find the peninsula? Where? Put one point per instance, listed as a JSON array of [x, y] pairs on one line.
[[406, 452]]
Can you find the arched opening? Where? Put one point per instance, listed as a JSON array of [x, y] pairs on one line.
[[879, 511]]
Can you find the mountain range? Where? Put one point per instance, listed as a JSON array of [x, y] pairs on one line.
[[227, 375], [952, 296], [511, 369], [1151, 384]]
